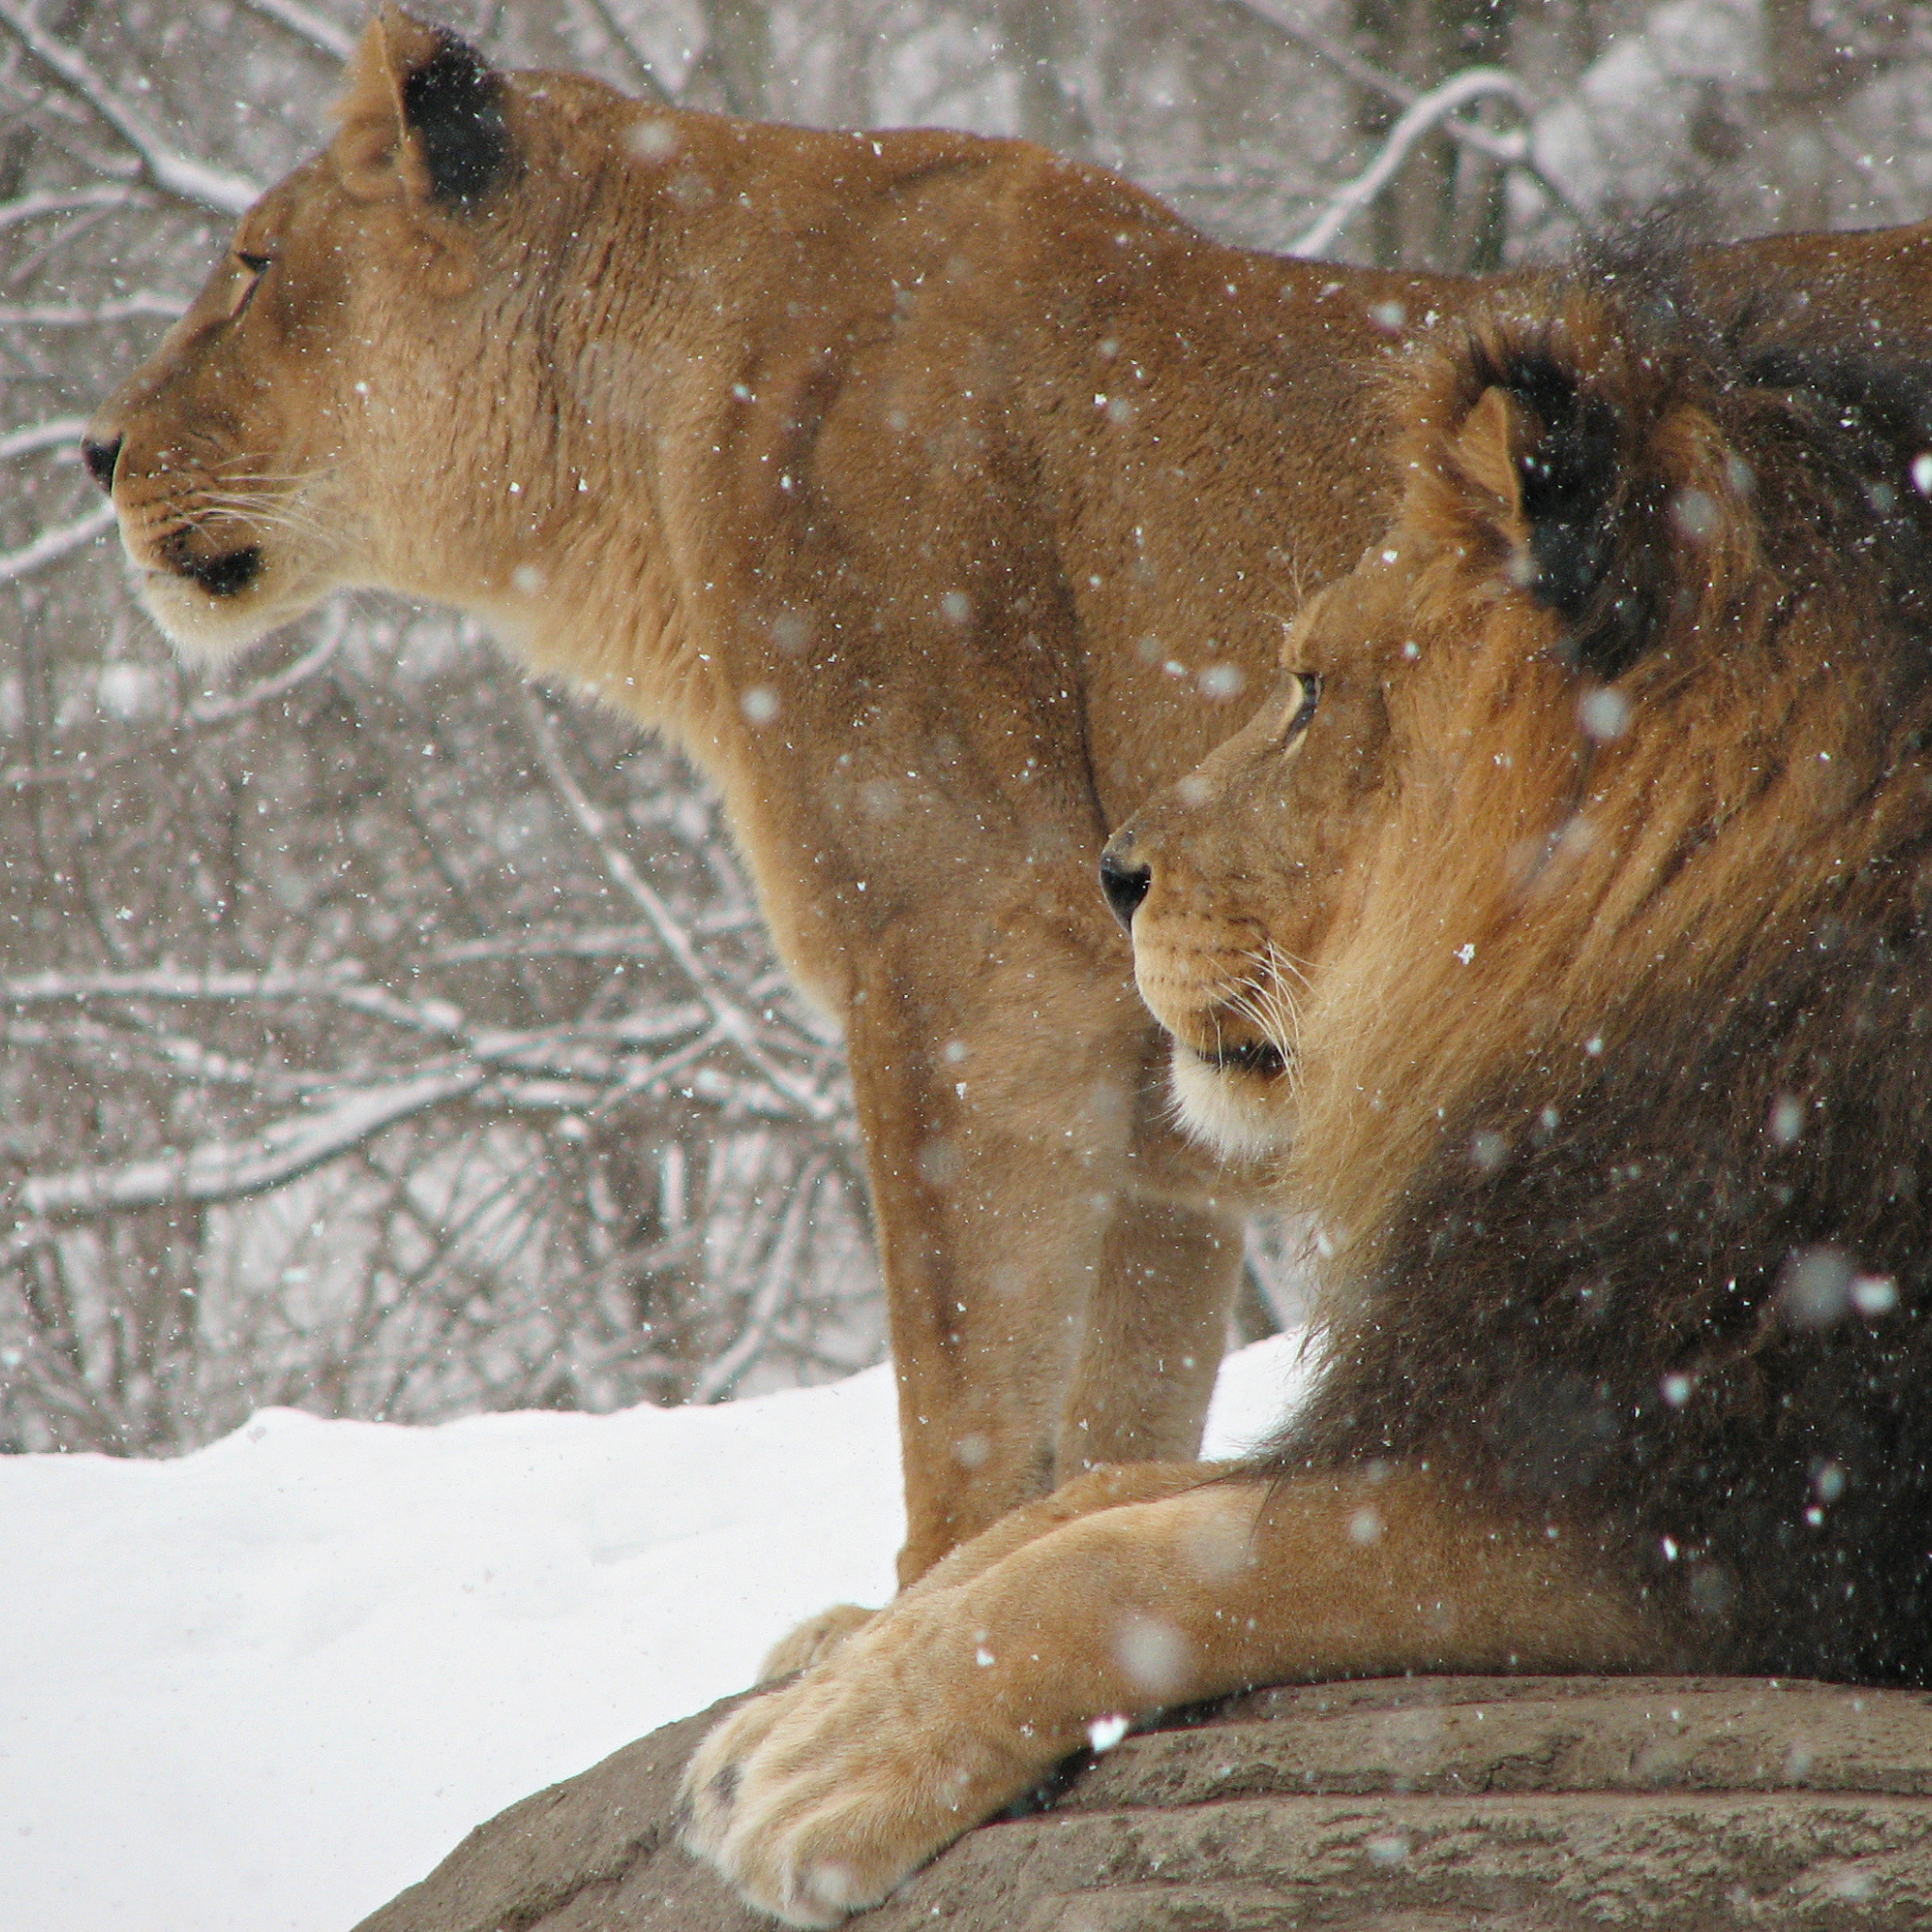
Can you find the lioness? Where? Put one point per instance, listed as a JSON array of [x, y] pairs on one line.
[[941, 499], [1597, 1046]]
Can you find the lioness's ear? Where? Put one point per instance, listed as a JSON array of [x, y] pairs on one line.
[[421, 117]]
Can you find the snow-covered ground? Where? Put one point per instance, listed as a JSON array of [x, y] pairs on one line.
[[263, 1687]]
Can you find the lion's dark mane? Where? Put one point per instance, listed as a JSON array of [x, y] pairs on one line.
[[1679, 1301]]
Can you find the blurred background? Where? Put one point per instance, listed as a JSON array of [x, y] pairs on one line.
[[381, 1036]]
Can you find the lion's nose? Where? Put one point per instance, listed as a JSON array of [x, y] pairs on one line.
[[100, 458], [1123, 880]]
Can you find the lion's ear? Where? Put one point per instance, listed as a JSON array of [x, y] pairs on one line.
[[1488, 448], [1544, 443], [421, 117]]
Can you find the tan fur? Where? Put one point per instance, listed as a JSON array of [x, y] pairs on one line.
[[941, 499], [1491, 882]]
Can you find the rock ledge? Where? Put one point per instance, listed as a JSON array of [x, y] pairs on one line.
[[1424, 1804]]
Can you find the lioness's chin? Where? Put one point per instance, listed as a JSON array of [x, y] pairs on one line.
[[1242, 1111], [208, 628]]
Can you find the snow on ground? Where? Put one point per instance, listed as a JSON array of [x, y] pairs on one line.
[[263, 1687]]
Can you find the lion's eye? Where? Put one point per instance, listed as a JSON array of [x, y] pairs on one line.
[[255, 264]]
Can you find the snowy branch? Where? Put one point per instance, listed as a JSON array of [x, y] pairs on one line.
[[322, 34], [519, 1070], [171, 171], [141, 303], [220, 710], [58, 432], [732, 1021], [36, 989], [721, 1373], [1431, 111], [1366, 75], [104, 195], [51, 545], [640, 61], [227, 1170], [590, 941], [343, 983]]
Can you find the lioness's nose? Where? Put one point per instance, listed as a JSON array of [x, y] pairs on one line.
[[100, 458], [1123, 880]]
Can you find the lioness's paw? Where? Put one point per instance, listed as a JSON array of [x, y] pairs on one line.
[[813, 1640], [816, 1800]]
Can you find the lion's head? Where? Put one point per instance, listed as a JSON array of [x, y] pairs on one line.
[[305, 424], [1629, 707]]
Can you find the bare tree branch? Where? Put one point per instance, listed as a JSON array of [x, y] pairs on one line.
[[223, 710], [230, 1170], [139, 305], [341, 984], [1365, 74], [171, 171], [306, 24], [640, 61], [594, 943], [102, 195], [722, 1373], [58, 432], [1428, 112], [732, 1021], [51, 545], [1510, 149], [36, 989]]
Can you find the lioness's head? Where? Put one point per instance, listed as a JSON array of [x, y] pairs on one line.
[[1629, 688], [339, 404]]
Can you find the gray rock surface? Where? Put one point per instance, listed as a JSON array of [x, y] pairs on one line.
[[1429, 1804]]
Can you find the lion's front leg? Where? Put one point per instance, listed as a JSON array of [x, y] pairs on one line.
[[817, 1800], [814, 1640]]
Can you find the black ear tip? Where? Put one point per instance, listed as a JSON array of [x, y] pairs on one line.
[[453, 103]]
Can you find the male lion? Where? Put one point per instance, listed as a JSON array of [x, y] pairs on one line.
[[1598, 1047], [938, 497]]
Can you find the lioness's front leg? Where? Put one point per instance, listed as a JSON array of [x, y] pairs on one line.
[[998, 1100], [817, 1800]]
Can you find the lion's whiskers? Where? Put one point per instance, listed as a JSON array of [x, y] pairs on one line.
[[1277, 959], [1267, 999]]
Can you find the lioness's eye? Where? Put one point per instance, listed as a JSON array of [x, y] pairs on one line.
[[256, 266], [1308, 686]]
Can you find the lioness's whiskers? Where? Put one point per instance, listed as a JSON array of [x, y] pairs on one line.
[[277, 513]]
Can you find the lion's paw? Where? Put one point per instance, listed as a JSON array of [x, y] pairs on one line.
[[813, 1640], [818, 1799]]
